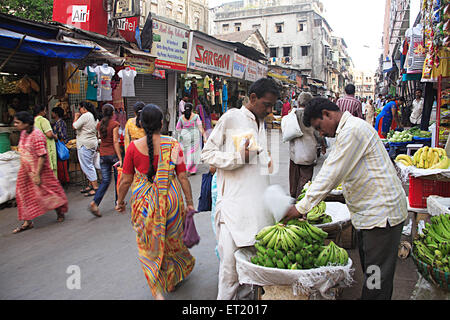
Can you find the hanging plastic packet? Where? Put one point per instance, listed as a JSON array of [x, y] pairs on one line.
[[277, 201]]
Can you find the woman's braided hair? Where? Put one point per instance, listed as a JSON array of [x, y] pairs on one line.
[[108, 112], [151, 118]]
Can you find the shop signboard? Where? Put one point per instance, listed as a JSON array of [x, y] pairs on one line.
[[141, 65], [239, 66], [210, 57], [262, 71], [127, 28], [251, 74], [126, 8], [170, 45]]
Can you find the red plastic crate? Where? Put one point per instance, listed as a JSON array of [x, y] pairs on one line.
[[420, 189]]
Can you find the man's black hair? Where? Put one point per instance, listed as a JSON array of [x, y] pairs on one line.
[[350, 89], [314, 107], [262, 86], [418, 89]]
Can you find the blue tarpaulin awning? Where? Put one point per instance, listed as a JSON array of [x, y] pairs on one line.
[[52, 49]]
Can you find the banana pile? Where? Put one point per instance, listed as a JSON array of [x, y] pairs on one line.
[[294, 246], [332, 255], [433, 246], [426, 158], [317, 214]]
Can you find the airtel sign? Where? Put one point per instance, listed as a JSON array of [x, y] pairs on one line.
[[127, 28]]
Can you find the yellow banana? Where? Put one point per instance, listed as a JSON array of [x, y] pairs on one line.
[[417, 155], [443, 164], [404, 162], [405, 158], [430, 155], [436, 158]]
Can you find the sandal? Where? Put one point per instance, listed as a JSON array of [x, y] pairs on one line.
[[23, 227], [91, 193], [85, 190], [94, 210], [60, 218]]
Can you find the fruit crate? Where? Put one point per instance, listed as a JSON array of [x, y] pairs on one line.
[[420, 189], [433, 275]]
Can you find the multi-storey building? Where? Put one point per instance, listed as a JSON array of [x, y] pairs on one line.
[[193, 13], [364, 82], [296, 32]]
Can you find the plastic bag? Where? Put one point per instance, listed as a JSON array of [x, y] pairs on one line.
[[277, 201], [190, 236], [205, 200], [290, 127], [62, 151], [97, 161]]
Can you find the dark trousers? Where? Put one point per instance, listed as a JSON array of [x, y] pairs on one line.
[[299, 175], [106, 166], [378, 250]]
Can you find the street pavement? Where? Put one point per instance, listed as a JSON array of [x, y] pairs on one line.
[[41, 263]]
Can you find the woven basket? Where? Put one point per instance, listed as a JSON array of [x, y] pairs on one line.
[[433, 275]]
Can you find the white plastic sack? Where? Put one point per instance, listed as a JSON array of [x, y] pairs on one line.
[[437, 205], [97, 160], [277, 201], [405, 171], [290, 128], [9, 167], [314, 283]]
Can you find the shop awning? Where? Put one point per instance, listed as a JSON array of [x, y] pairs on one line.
[[99, 52], [52, 49]]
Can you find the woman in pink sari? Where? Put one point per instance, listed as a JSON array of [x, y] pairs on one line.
[[191, 130], [37, 189]]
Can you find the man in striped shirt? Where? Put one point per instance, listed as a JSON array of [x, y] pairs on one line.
[[350, 103], [373, 192]]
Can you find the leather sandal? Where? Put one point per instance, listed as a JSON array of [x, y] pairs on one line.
[[85, 190], [23, 227], [91, 193], [93, 208]]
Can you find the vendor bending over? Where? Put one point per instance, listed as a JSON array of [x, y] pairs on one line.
[[372, 190]]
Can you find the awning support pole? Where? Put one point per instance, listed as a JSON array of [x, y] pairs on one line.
[[12, 53]]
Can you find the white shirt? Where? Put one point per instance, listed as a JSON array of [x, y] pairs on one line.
[[240, 186], [372, 189], [303, 150], [416, 114], [127, 81], [363, 106], [181, 106], [86, 127]]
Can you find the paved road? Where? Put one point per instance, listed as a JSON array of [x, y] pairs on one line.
[[36, 264]]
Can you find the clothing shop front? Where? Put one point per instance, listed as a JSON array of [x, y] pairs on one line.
[[210, 73]]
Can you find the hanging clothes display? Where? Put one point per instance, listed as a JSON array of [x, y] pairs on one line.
[[117, 98], [212, 96], [104, 76], [127, 76], [73, 84], [225, 97], [92, 83], [206, 87], [194, 92]]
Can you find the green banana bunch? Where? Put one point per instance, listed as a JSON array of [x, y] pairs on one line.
[[433, 246], [332, 254]]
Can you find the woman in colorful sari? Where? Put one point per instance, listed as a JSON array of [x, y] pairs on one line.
[[37, 188], [190, 130], [44, 125], [60, 129], [154, 166], [388, 118], [133, 128]]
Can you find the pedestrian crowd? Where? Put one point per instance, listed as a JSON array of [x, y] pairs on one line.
[[156, 167]]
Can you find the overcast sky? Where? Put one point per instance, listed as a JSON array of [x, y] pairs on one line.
[[359, 22]]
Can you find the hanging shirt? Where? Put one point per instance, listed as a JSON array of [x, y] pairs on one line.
[[127, 82], [91, 92], [104, 76], [240, 187], [73, 84], [372, 189]]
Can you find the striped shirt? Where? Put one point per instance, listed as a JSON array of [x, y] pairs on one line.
[[371, 187], [350, 104]]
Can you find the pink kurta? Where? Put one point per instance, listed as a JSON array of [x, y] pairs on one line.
[[33, 201]]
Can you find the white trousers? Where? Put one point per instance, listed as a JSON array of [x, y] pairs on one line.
[[228, 277]]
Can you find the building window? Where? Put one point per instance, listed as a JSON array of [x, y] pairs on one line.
[[305, 51], [237, 27], [256, 26], [225, 27], [287, 51], [279, 27], [154, 7], [197, 20], [169, 9], [317, 22], [301, 26], [273, 52]]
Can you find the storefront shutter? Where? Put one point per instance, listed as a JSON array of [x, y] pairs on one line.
[[149, 90]]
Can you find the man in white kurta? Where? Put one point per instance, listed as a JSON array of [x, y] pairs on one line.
[[242, 178]]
